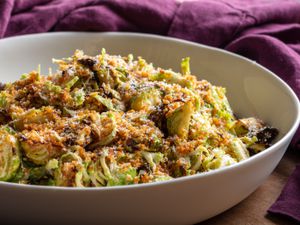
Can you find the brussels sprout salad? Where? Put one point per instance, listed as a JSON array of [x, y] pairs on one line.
[[117, 120]]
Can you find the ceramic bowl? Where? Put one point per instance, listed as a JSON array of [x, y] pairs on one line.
[[252, 91]]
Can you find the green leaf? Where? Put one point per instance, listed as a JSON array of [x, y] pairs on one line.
[[79, 97], [71, 83], [122, 177], [185, 66]]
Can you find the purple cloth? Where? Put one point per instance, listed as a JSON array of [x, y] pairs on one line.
[[267, 31], [292, 209]]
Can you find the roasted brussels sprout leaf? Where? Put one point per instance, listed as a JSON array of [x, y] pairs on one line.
[[254, 133], [9, 156], [185, 66], [146, 100], [178, 123]]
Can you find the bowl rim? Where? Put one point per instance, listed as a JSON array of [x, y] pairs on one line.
[[156, 37]]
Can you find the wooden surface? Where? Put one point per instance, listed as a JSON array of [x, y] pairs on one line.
[[253, 210]]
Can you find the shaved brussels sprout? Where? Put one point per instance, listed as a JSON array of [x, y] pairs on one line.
[[102, 56], [107, 131], [21, 175], [217, 159], [146, 100], [52, 87], [103, 174], [79, 97], [182, 166], [153, 158], [122, 176], [39, 153], [9, 129], [71, 171], [106, 170], [239, 149], [121, 75], [185, 66], [9, 156], [81, 177], [71, 83], [4, 99], [37, 174], [104, 101], [52, 164], [162, 177], [114, 93], [178, 123], [24, 76], [37, 116], [142, 65], [41, 146], [96, 175], [200, 126], [198, 156], [156, 143], [249, 141], [221, 104], [247, 126], [171, 77]]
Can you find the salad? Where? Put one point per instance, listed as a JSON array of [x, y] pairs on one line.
[[113, 120]]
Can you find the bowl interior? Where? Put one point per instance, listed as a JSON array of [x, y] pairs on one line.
[[252, 90]]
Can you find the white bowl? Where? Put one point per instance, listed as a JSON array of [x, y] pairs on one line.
[[252, 90]]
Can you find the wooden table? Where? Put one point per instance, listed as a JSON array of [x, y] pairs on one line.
[[253, 210]]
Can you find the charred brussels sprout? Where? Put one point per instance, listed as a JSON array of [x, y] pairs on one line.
[[254, 133]]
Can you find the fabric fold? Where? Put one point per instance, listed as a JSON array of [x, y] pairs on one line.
[[6, 8], [262, 30]]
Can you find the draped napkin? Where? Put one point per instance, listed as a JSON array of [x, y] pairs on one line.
[[267, 31]]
